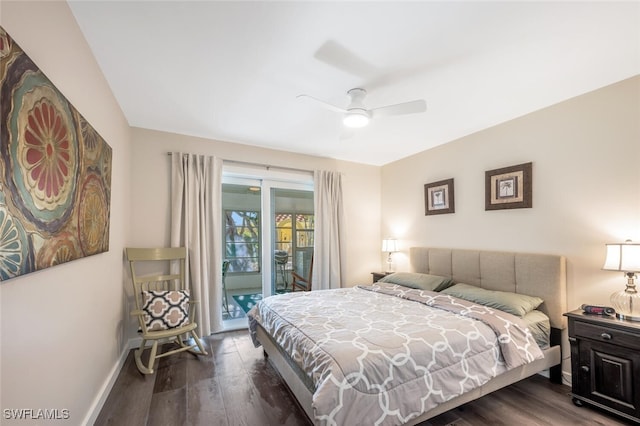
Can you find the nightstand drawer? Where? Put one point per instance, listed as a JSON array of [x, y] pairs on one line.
[[607, 334]]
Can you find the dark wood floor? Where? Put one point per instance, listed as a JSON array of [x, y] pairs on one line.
[[235, 385]]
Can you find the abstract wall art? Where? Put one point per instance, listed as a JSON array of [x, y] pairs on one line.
[[55, 172]]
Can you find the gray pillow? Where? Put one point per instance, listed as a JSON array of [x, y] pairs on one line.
[[513, 303], [539, 326], [418, 281]]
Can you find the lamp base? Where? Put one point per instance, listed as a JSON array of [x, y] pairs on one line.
[[389, 264], [627, 302], [627, 317]]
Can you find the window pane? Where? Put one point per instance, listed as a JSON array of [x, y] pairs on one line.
[[305, 238], [242, 250], [283, 235], [244, 265], [283, 220], [304, 221], [242, 240], [242, 225], [284, 247]]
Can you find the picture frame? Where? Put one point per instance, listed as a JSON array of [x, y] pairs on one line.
[[439, 197], [509, 187]]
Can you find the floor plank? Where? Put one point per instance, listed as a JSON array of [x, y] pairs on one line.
[[129, 386], [168, 408], [206, 405], [235, 385]]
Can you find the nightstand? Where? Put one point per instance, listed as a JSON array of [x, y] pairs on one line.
[[605, 363], [379, 275]]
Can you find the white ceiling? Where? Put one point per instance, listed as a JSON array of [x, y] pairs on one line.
[[232, 70]]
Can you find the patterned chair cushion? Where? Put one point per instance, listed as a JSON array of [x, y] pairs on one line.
[[164, 310]]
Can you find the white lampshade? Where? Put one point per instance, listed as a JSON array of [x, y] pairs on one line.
[[623, 257], [389, 245]]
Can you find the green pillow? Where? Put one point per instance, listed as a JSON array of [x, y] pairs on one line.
[[513, 303], [418, 281]]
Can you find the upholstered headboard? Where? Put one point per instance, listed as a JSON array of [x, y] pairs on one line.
[[539, 275]]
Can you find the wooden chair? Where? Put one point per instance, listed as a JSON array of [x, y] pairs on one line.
[[164, 308], [297, 280]]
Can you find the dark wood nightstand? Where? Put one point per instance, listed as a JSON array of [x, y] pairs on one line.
[[605, 363], [378, 275]]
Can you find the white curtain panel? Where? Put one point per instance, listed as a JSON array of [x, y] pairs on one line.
[[329, 230], [196, 185]]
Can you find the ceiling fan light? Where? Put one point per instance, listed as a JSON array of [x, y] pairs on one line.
[[355, 119]]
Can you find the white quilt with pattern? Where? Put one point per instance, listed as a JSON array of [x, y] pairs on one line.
[[384, 354]]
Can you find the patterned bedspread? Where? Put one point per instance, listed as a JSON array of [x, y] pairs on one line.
[[384, 354]]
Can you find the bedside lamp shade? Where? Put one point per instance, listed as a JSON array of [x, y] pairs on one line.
[[389, 246], [625, 258]]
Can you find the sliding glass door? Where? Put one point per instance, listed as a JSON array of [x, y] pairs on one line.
[[268, 223]]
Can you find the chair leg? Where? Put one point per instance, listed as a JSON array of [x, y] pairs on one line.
[[137, 355], [196, 338], [152, 356], [146, 369]]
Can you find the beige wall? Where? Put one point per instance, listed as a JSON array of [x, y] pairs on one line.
[[586, 188], [61, 328]]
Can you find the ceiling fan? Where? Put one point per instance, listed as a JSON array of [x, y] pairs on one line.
[[357, 115]]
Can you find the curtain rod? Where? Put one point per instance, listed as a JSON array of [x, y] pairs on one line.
[[266, 166]]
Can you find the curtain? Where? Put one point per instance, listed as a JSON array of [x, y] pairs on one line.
[[329, 230], [196, 224]]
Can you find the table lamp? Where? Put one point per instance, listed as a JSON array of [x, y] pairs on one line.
[[625, 257], [389, 245]]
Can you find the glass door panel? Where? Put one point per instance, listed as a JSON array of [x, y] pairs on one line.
[[293, 235], [242, 244]]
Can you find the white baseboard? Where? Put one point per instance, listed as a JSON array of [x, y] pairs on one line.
[[100, 399]]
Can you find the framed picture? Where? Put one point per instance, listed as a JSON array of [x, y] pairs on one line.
[[439, 197], [508, 188]]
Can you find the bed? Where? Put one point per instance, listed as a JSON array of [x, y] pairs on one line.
[[328, 365]]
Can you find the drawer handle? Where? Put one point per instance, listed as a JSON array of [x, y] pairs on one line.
[[585, 368], [606, 336]]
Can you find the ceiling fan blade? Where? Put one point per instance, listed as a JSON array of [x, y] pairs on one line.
[[322, 103], [411, 107], [335, 55]]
